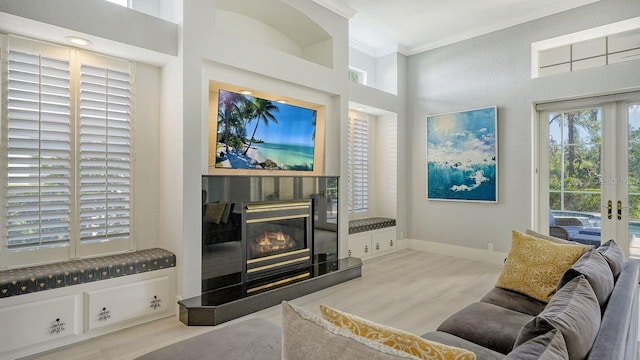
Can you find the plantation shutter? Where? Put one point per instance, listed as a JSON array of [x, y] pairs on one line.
[[350, 165], [105, 154], [38, 150], [360, 165]]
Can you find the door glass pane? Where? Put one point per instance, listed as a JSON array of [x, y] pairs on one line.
[[575, 139], [634, 180]]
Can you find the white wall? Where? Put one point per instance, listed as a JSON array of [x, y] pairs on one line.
[[495, 69], [364, 62], [147, 156], [386, 165]]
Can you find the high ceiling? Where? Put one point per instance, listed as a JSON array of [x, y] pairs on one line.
[[412, 26]]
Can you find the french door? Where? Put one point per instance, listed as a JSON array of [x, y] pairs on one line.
[[589, 170]]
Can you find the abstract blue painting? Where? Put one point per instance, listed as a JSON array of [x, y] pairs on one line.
[[462, 155]]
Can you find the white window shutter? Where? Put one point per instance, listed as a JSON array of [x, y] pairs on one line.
[[358, 165], [105, 154], [38, 150]]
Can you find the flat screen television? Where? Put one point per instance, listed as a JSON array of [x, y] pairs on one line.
[[253, 131]]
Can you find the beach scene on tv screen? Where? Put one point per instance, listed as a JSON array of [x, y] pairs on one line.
[[256, 133]]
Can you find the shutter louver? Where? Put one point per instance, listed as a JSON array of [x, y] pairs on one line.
[[358, 165], [105, 148], [38, 151], [361, 165]]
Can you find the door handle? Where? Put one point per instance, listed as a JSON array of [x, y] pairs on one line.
[[609, 206], [619, 210]]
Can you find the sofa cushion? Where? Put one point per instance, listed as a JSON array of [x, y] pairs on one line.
[[574, 310], [547, 346], [596, 270], [534, 266], [556, 240], [482, 353], [307, 336], [397, 339], [487, 325], [514, 301], [614, 256]]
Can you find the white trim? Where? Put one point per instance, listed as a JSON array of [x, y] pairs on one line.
[[463, 252], [337, 7]]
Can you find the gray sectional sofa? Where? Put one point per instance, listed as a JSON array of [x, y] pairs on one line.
[[491, 327], [593, 315]]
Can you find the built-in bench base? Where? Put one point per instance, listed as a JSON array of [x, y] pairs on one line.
[[59, 304], [372, 237]]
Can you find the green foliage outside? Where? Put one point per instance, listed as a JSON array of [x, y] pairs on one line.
[[574, 163]]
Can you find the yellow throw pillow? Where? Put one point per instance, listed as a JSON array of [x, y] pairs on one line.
[[534, 266], [397, 339]]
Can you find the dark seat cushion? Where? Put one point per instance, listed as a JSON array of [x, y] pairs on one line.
[[514, 301], [374, 223], [73, 272], [482, 353], [487, 325], [257, 339]]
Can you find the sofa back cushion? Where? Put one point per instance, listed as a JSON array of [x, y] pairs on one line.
[[575, 312], [614, 256], [307, 336], [547, 346], [596, 270], [534, 266]]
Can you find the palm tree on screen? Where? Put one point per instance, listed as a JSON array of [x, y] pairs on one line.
[[263, 111]]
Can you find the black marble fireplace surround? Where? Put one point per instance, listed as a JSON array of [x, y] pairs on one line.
[[265, 239]]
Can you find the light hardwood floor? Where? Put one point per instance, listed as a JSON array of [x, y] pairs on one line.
[[410, 290]]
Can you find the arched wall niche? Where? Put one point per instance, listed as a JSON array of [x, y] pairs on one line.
[[277, 25]]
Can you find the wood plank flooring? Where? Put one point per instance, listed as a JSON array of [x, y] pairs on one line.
[[410, 290]]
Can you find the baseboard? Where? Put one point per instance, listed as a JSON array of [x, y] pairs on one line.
[[463, 252], [402, 244]]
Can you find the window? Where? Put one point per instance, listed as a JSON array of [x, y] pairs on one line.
[[601, 46], [357, 75], [358, 165], [68, 154]]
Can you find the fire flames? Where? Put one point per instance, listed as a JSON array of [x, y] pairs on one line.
[[271, 241]]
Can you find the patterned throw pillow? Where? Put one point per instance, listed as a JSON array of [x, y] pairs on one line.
[[534, 266], [397, 339]]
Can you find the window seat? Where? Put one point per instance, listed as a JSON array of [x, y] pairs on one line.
[[368, 224], [26, 280]]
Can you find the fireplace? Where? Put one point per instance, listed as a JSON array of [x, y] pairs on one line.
[[278, 237]]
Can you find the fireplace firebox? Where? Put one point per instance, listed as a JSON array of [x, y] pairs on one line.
[[278, 237]]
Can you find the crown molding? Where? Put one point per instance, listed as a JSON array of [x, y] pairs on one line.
[[337, 7], [363, 48], [376, 53]]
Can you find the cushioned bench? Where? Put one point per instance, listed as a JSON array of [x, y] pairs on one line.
[[51, 276], [368, 224]]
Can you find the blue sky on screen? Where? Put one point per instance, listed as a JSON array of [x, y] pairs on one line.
[[295, 126]]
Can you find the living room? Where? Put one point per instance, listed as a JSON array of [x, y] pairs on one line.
[[187, 45]]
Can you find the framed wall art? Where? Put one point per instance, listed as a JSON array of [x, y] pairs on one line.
[[462, 156], [253, 132]]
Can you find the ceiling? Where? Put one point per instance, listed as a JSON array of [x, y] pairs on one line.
[[380, 27]]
